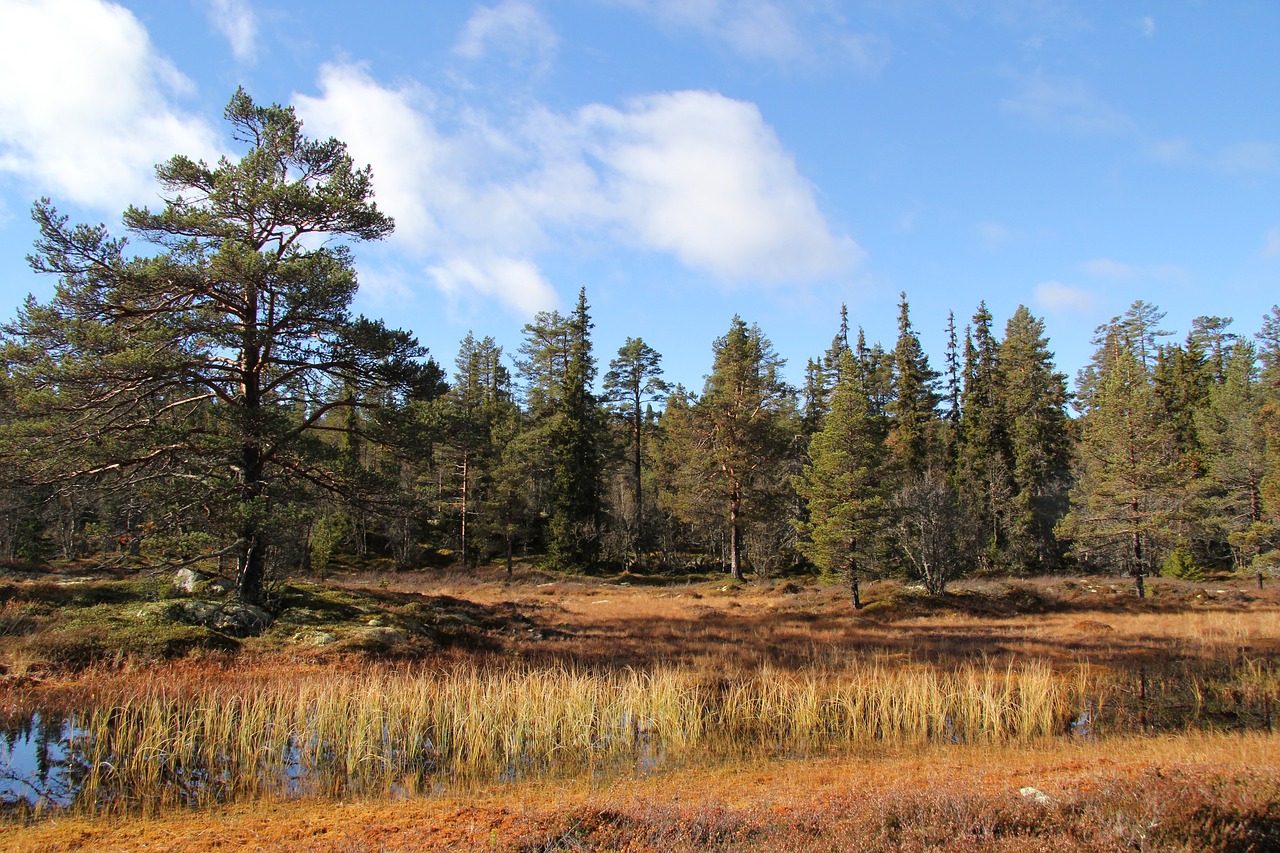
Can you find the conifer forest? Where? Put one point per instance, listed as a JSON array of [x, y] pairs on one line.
[[204, 392]]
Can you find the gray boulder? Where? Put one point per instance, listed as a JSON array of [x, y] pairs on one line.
[[186, 580]]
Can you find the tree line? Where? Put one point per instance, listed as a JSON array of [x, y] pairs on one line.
[[216, 400]]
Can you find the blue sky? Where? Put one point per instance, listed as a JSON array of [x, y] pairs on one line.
[[688, 160]]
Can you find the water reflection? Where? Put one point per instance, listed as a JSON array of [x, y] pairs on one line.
[[41, 764], [49, 761]]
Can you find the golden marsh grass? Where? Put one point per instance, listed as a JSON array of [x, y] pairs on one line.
[[387, 732]]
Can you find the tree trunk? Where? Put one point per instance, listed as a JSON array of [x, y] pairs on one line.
[[636, 470], [735, 537], [251, 572], [853, 588], [1139, 570], [252, 567], [463, 532]]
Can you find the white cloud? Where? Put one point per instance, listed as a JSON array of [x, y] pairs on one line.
[[770, 31], [383, 127], [1148, 26], [695, 175], [85, 103], [237, 23], [1108, 268], [704, 177], [514, 30], [1065, 105], [1060, 298], [1250, 157], [515, 282], [1174, 151], [993, 234], [1271, 243]]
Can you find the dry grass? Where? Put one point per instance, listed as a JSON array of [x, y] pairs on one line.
[[389, 733], [951, 703]]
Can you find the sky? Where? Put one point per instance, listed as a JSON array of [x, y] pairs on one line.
[[689, 160]]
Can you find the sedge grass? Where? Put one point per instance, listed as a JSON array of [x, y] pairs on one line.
[[385, 732]]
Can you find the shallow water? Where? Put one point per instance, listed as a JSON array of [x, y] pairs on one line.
[[39, 762], [48, 761]]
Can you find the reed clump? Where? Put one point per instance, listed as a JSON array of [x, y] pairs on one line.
[[385, 732]]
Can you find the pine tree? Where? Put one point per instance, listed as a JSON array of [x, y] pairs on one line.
[[733, 440], [1211, 337], [1268, 338], [635, 378], [1135, 330], [208, 364]]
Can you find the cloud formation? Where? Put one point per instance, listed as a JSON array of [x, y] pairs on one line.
[[1059, 298], [237, 23], [513, 281], [695, 175], [1250, 157], [1271, 243], [771, 31], [1065, 105], [994, 235], [1108, 268], [96, 116], [513, 30], [705, 178]]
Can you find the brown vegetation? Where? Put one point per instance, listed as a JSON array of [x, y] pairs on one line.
[[1192, 793], [1181, 691]]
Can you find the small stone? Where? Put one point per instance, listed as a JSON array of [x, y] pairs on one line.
[[186, 580]]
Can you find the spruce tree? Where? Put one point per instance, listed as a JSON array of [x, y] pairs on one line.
[[846, 484], [1033, 399], [984, 474], [1232, 430], [575, 433], [1126, 489], [914, 405], [476, 408]]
